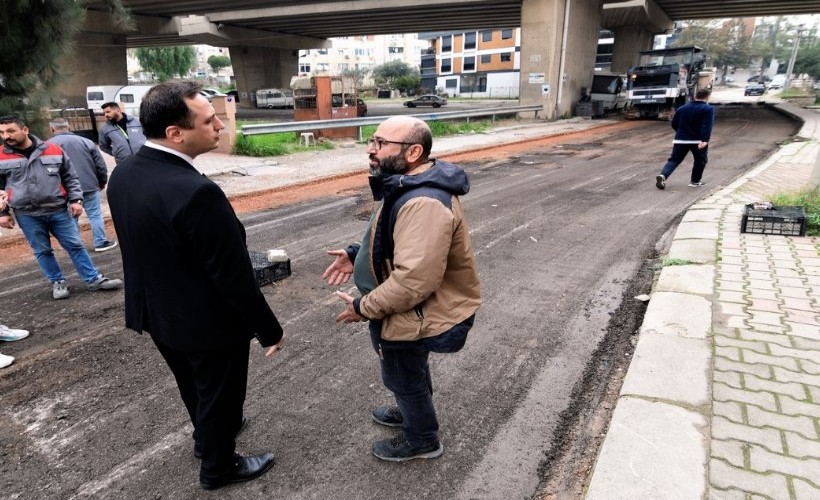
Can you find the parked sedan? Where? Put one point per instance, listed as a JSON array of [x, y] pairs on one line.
[[426, 100], [755, 89]]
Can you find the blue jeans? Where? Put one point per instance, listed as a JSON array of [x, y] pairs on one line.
[[93, 210], [679, 151], [406, 373], [37, 229]]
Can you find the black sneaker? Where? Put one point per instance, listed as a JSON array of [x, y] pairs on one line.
[[696, 184], [387, 415], [397, 449], [107, 245], [660, 182]]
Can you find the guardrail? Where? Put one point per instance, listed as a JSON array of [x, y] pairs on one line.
[[308, 126]]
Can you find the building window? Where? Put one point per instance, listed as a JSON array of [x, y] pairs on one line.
[[486, 58], [451, 83], [446, 65], [322, 52], [322, 67], [447, 43], [469, 63], [486, 36], [506, 57], [395, 50], [506, 34], [304, 67], [469, 41], [359, 51]]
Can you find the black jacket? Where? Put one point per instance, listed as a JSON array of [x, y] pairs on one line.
[[188, 277]]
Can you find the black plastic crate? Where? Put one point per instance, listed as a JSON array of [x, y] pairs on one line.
[[788, 221], [268, 272]]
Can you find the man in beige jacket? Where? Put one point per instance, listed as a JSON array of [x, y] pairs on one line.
[[416, 271]]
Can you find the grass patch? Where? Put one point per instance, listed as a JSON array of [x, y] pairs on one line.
[[809, 199], [442, 128], [273, 145], [675, 262]]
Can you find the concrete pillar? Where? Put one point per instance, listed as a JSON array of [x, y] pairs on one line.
[[261, 67], [98, 59], [543, 46], [629, 42]]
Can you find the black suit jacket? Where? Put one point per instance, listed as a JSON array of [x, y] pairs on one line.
[[188, 277]]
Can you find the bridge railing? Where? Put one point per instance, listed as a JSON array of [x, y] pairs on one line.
[[311, 125]]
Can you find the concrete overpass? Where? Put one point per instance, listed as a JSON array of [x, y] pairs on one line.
[[559, 37]]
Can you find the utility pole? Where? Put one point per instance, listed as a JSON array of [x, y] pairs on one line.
[[793, 57]]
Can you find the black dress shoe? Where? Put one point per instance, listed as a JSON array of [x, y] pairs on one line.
[[198, 447], [245, 469]]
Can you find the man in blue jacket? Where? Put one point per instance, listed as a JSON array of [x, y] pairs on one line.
[[693, 128]]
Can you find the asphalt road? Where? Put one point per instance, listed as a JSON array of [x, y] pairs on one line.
[[563, 232]]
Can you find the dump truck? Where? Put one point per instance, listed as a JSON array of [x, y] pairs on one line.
[[666, 79]]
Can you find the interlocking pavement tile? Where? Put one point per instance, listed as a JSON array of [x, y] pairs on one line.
[[766, 305], [754, 367], [761, 284], [804, 490], [730, 494], [804, 317], [802, 305], [731, 309], [789, 406], [722, 392], [767, 361], [774, 338], [729, 450], [767, 318], [794, 390], [800, 424], [731, 296], [760, 347], [760, 327], [732, 353], [765, 461], [789, 277], [757, 293], [732, 379], [808, 350], [809, 367], [735, 270], [789, 375], [759, 258], [793, 291], [803, 330], [723, 475]]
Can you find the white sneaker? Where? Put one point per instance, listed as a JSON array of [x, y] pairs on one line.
[[11, 334], [5, 360]]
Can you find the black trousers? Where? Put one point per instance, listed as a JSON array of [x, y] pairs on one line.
[[212, 385], [679, 151]]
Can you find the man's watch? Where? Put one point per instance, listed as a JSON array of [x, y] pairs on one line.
[[76, 201]]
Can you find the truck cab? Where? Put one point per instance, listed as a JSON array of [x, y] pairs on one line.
[[664, 79]]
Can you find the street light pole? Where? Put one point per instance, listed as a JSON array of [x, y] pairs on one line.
[[792, 58]]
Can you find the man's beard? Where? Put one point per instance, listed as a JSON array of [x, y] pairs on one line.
[[391, 165]]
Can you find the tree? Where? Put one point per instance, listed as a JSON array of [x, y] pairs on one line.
[[167, 62], [358, 75], [386, 74], [725, 42], [218, 62]]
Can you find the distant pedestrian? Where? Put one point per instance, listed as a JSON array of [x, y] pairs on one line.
[[693, 128], [45, 194], [416, 271], [188, 276], [93, 175], [121, 136]]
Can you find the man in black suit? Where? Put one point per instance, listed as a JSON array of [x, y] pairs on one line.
[[188, 277]]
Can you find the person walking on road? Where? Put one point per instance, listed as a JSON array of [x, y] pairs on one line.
[[44, 192], [416, 271], [92, 173], [188, 276], [693, 128], [121, 136]]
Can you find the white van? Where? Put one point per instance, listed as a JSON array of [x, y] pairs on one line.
[[274, 98], [97, 95], [130, 96]]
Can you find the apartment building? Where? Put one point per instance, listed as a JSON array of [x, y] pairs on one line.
[[483, 63], [361, 53]]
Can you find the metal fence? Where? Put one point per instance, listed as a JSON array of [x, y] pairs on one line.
[[310, 126], [81, 121]]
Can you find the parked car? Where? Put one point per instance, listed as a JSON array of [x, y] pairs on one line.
[[778, 82], [755, 89], [426, 100], [211, 93]]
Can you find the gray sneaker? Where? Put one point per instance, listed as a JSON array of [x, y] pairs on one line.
[[59, 290], [387, 415], [103, 283]]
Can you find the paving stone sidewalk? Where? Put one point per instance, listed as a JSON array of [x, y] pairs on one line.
[[722, 400]]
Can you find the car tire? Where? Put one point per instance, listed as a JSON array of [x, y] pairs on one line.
[[410, 105], [436, 105], [270, 106]]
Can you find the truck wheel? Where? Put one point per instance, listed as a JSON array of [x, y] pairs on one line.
[[270, 106]]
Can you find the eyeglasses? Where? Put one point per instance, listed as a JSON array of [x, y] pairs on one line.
[[378, 142]]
